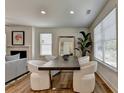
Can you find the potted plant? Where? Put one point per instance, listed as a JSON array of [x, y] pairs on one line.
[[84, 43]]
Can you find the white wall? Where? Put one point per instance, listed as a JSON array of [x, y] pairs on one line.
[[109, 76], [56, 32]]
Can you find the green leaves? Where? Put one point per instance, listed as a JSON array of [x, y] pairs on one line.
[[80, 44], [84, 43], [88, 44], [85, 36], [83, 33], [80, 39]]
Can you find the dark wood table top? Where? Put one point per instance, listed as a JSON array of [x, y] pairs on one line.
[[60, 64]]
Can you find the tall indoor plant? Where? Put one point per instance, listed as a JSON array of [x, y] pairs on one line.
[[84, 43]]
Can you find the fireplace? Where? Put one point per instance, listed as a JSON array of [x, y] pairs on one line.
[[23, 54], [25, 51]]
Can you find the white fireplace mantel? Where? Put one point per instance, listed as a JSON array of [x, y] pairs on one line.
[[20, 48]]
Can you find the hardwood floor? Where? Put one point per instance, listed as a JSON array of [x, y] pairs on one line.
[[62, 80]]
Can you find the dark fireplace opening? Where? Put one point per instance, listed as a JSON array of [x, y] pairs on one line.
[[23, 54]]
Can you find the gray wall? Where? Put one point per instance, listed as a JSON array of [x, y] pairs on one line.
[[26, 29], [109, 75], [28, 36], [32, 37], [56, 32]]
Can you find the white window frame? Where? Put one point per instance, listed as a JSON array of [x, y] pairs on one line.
[[102, 61], [45, 44]]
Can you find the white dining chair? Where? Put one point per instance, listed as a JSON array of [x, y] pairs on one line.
[[85, 76], [87, 83], [39, 80], [83, 60], [50, 57]]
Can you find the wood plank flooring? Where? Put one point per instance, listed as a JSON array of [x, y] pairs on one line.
[[62, 80]]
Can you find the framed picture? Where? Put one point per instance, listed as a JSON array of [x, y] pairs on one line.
[[18, 37]]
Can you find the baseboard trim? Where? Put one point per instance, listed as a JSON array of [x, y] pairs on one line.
[[107, 83]]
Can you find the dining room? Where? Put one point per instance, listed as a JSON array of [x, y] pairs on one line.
[[69, 46]]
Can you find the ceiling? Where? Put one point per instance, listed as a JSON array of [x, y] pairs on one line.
[[27, 12]]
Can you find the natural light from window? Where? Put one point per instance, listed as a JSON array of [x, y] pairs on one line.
[[105, 40], [46, 44]]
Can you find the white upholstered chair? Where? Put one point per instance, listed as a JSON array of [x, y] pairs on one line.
[[87, 83], [39, 80], [84, 79], [50, 58], [83, 60]]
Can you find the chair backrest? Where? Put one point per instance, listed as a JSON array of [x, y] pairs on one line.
[[94, 63], [90, 68], [83, 60], [33, 65], [50, 57]]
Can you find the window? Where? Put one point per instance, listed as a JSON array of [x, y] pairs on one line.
[[105, 39], [98, 43], [46, 44]]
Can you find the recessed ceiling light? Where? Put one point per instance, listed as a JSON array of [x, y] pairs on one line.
[[71, 12], [43, 12], [88, 11]]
